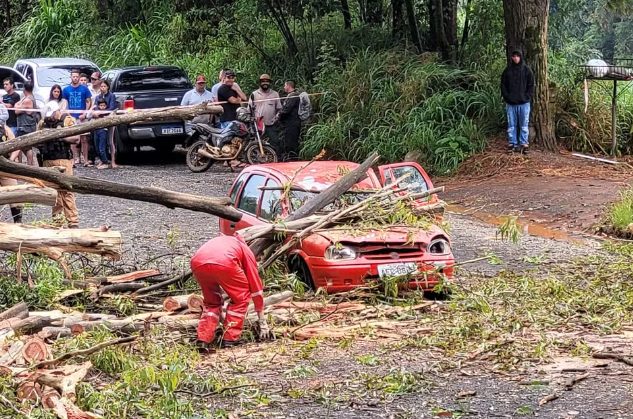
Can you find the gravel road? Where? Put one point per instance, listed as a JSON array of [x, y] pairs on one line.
[[150, 230]]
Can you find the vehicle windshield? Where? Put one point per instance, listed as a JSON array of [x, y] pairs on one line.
[[48, 76], [298, 198], [153, 79]]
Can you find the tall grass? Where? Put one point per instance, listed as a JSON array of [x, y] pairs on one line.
[[394, 103]]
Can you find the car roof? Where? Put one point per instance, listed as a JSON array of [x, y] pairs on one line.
[[145, 67], [317, 175], [49, 62]]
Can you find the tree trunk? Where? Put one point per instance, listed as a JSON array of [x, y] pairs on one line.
[[465, 31], [526, 30], [413, 25], [164, 114], [84, 185], [449, 14], [55, 242], [397, 19], [374, 12], [347, 17], [21, 194]]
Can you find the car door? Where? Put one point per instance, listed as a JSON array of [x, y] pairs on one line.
[[246, 195], [417, 179]]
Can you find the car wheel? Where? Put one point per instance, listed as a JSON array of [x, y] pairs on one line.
[[122, 147], [300, 267]]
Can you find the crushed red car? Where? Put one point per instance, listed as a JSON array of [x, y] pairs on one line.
[[335, 259]]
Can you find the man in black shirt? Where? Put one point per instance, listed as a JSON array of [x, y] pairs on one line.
[[288, 116], [10, 99], [230, 95]]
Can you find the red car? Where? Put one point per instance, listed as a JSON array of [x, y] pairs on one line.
[[335, 259]]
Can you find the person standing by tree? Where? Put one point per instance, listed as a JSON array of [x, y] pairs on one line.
[[517, 89], [288, 116], [111, 105], [78, 97], [267, 103]]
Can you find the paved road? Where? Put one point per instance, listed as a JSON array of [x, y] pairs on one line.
[[150, 230]]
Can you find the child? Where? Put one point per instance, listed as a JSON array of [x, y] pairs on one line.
[[101, 135]]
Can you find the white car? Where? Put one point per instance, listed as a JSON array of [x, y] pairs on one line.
[[46, 72]]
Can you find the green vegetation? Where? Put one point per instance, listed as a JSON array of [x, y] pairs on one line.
[[620, 215], [47, 278]]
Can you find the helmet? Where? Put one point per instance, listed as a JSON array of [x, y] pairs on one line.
[[243, 115]]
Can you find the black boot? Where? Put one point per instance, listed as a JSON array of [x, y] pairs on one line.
[[16, 214]]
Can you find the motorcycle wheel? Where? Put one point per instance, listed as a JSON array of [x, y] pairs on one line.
[[254, 156], [195, 162]]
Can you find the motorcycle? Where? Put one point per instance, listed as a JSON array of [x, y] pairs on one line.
[[242, 140]]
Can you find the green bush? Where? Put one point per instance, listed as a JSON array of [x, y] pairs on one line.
[[394, 102], [620, 215]]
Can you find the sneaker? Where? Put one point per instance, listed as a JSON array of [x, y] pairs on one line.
[[524, 149], [510, 148]]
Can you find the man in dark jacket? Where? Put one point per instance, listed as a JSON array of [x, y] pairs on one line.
[[288, 116], [517, 88]]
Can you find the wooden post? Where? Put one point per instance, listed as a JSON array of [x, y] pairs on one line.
[[614, 118]]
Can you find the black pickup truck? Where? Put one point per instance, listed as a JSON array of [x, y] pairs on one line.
[[144, 88]]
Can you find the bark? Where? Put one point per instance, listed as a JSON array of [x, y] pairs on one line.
[[347, 17], [443, 27], [526, 30], [413, 25], [14, 352], [20, 310], [53, 332], [397, 19], [64, 379], [123, 287], [170, 113], [128, 277], [116, 325], [466, 30], [29, 390], [374, 12], [87, 351], [166, 283], [55, 242], [84, 185], [22, 194], [29, 325], [323, 199]]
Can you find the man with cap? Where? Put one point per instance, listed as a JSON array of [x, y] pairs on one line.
[[196, 96], [517, 88], [267, 103]]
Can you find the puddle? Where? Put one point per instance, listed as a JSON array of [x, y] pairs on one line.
[[528, 227]]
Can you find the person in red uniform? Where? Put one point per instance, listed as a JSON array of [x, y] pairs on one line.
[[227, 263]]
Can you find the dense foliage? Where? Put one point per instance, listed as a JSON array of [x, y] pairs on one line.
[[384, 81]]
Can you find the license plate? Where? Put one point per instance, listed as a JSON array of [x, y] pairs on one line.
[[397, 269], [173, 130]]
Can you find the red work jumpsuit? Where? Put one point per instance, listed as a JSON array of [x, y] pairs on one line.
[[226, 263]]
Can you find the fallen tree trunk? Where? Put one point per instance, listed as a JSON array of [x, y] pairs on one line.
[[20, 310], [321, 200], [54, 242], [54, 332], [64, 379], [28, 325], [122, 325], [132, 276], [84, 185], [170, 113], [27, 193], [175, 302]]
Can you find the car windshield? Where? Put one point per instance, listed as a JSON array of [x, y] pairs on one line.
[[48, 76], [153, 79], [298, 198]]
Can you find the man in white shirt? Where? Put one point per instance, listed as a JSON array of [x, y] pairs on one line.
[[196, 96]]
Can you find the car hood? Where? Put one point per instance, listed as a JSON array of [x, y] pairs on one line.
[[391, 235]]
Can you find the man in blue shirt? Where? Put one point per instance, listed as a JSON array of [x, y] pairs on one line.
[[79, 98]]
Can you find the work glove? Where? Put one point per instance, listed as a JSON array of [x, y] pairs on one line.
[[264, 330]]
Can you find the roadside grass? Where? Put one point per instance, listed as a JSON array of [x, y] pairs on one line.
[[620, 214]]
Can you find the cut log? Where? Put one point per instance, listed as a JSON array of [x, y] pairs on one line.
[[132, 276], [5, 335], [20, 310], [28, 325], [85, 185], [54, 242], [35, 350], [29, 390], [13, 354], [321, 200], [64, 379], [122, 287], [27, 193], [123, 325], [51, 332], [178, 318], [152, 315], [195, 303], [175, 303]]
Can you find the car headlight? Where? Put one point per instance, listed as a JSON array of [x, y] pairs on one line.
[[338, 252], [439, 247]]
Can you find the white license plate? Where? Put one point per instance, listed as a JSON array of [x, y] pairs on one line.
[[397, 269], [168, 131]]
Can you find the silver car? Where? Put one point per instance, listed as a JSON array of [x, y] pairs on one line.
[[46, 72]]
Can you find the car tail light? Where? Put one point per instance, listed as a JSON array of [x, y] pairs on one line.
[[128, 104]]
